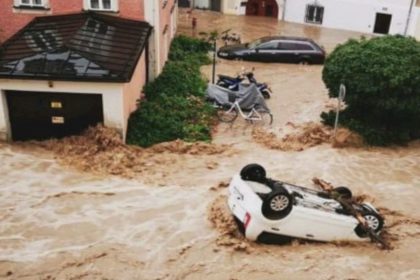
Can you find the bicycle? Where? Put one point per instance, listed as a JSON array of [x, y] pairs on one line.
[[229, 113]]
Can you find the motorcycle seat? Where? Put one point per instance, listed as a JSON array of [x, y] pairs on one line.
[[226, 77]]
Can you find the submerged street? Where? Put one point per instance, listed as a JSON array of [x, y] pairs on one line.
[[57, 222]]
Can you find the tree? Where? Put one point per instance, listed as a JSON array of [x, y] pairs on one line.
[[382, 77]]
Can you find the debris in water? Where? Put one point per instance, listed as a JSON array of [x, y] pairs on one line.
[[304, 136], [221, 218], [102, 150]]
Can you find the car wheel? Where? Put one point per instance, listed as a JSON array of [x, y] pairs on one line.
[[253, 172], [374, 222], [343, 192], [304, 61], [278, 204]]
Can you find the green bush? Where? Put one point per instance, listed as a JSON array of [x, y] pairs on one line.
[[382, 77], [178, 78], [185, 48], [174, 107]]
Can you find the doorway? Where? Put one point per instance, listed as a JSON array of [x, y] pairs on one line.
[[184, 3], [382, 23], [215, 5], [264, 8]]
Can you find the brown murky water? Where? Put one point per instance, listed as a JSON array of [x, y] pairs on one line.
[[59, 223]]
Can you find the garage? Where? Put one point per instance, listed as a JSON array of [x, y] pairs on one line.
[[44, 115], [61, 74]]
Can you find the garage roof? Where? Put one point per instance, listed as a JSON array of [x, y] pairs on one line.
[[85, 46]]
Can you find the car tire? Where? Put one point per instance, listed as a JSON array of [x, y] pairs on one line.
[[304, 61], [375, 222], [343, 192], [253, 172], [277, 204]]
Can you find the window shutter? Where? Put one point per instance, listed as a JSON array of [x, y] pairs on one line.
[[307, 13], [310, 13], [319, 14]]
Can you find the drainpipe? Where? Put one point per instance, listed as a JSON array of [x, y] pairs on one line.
[[408, 17], [283, 16]]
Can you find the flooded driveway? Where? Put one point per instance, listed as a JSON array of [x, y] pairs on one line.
[[60, 223]]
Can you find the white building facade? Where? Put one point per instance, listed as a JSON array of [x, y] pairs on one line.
[[366, 16]]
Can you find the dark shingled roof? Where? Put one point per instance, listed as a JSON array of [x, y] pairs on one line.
[[76, 47]]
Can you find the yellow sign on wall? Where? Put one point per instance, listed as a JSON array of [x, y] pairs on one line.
[[57, 119], [56, 104]]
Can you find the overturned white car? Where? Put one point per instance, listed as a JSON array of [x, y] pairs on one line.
[[271, 211]]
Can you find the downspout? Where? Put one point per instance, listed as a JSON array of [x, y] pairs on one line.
[[408, 17], [147, 59], [283, 16]]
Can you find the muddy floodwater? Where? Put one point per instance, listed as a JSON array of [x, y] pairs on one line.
[[57, 222]]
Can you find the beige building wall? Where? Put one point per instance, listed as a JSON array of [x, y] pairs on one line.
[[133, 89]]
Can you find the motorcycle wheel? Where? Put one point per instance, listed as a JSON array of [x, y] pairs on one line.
[[266, 93]]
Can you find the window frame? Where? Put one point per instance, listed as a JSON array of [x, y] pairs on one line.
[[113, 6], [19, 4], [318, 9]]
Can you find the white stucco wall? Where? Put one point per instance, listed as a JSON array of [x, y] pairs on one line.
[[112, 99], [355, 15]]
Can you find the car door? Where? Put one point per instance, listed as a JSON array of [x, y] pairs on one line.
[[266, 52], [286, 52], [304, 52]]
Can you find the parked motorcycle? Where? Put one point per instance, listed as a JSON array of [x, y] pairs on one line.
[[233, 83], [233, 38]]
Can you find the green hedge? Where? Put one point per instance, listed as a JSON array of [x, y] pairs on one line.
[[382, 77], [174, 107]]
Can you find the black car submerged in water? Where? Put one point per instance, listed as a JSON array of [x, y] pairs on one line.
[[276, 49]]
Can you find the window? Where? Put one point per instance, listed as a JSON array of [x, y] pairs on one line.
[[314, 14], [31, 3], [303, 47], [268, 46], [102, 5], [286, 46]]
